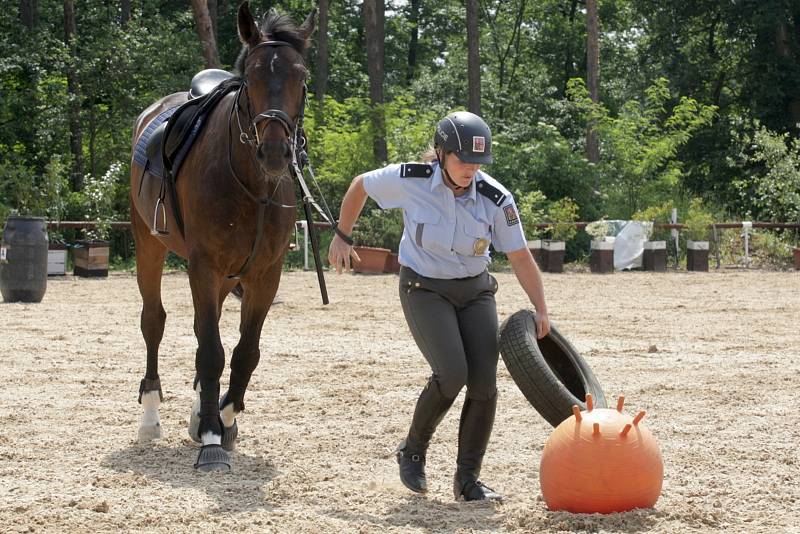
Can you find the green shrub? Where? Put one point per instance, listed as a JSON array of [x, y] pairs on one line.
[[698, 220], [562, 215], [532, 210]]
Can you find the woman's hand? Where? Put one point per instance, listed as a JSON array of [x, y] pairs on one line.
[[339, 254], [542, 324]]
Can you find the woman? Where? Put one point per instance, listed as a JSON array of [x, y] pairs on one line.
[[452, 212]]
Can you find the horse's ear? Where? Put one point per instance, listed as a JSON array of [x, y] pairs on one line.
[[248, 29], [308, 25]]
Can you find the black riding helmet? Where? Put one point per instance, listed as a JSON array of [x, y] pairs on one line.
[[466, 135]]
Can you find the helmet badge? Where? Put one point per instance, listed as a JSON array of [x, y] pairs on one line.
[[479, 144]]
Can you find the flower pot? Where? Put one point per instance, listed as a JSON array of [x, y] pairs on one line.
[[655, 256], [56, 259], [797, 258], [392, 263], [553, 254], [373, 260], [535, 246], [91, 258], [697, 256], [601, 257]]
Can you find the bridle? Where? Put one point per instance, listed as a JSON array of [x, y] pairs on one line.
[[297, 142]]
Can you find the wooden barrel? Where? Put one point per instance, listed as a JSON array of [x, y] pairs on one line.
[[23, 259]]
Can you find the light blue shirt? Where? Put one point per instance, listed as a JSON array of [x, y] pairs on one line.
[[445, 236]]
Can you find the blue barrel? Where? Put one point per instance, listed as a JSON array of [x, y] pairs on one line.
[[23, 259]]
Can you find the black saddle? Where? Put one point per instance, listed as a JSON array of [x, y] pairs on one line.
[[168, 143]]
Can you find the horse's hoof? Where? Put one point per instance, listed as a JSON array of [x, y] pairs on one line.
[[213, 458], [149, 433], [229, 434], [194, 427]]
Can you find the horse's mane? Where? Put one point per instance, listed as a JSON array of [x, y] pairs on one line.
[[276, 27]]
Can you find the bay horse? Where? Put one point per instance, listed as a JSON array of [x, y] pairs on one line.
[[235, 195]]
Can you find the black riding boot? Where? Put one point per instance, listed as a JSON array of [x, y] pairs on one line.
[[430, 409], [477, 419]]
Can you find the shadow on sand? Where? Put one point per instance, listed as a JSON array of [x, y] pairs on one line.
[[240, 490], [430, 515]]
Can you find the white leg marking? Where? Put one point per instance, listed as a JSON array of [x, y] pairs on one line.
[[228, 415], [150, 427], [209, 438]]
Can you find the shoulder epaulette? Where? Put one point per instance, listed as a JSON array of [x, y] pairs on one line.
[[490, 192], [416, 170]]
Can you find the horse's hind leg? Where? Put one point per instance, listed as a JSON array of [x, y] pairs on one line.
[[256, 302], [150, 254]]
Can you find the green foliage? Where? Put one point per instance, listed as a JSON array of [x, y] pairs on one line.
[[532, 211], [639, 145], [380, 228], [697, 222], [561, 214], [773, 191], [660, 214]]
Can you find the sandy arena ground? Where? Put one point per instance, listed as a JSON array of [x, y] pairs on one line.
[[334, 394]]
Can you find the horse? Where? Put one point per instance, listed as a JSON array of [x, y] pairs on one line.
[[235, 203]]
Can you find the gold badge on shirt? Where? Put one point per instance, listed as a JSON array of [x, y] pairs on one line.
[[480, 246]]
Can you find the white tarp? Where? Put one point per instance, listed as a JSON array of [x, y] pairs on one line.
[[629, 239], [629, 244]]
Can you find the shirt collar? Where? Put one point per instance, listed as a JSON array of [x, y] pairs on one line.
[[438, 181]]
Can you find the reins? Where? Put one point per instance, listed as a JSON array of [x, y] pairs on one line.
[[298, 142]]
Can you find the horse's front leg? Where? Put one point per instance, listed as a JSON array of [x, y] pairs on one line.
[[209, 364], [256, 301]]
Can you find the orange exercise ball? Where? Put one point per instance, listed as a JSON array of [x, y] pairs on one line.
[[601, 461]]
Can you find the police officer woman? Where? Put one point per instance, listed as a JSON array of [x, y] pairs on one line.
[[452, 212]]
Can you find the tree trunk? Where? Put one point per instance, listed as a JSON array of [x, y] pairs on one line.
[[783, 49], [568, 59], [74, 97], [206, 33], [374, 30], [29, 13], [213, 12], [124, 13], [473, 58], [592, 76], [413, 41], [321, 71]]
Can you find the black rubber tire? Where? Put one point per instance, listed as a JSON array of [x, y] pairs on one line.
[[549, 372]]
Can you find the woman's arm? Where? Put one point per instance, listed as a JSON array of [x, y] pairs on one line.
[[531, 281], [339, 252]]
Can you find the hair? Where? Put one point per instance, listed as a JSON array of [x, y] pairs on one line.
[[276, 27]]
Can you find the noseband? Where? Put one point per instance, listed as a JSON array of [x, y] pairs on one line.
[[251, 136]]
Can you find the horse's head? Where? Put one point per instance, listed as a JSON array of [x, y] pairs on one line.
[[272, 66]]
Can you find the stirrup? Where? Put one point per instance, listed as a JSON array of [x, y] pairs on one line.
[[156, 230]]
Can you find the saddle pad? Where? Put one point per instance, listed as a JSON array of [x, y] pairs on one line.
[[156, 167]]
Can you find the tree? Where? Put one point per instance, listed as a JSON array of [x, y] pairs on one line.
[[473, 58], [321, 70], [124, 13], [413, 41], [592, 75], [205, 30], [29, 13], [73, 90], [374, 11]]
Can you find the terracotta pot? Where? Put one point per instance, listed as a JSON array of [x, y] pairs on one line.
[[373, 260], [392, 263]]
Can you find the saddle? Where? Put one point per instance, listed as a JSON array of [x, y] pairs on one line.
[[167, 140]]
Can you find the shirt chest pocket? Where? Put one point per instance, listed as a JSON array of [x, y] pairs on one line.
[[429, 231], [472, 237]]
